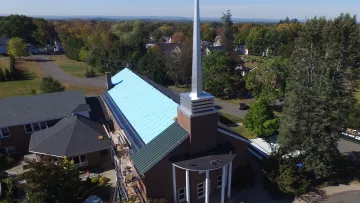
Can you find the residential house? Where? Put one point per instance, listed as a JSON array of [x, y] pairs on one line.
[[3, 43], [171, 146], [218, 41], [76, 137], [169, 49], [58, 46], [167, 39], [215, 48], [55, 125], [32, 49], [241, 49]]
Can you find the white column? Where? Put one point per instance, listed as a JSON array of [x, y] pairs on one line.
[[223, 185], [229, 180], [187, 186], [207, 187], [174, 183]]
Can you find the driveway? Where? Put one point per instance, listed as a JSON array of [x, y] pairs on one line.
[[50, 69], [229, 108]]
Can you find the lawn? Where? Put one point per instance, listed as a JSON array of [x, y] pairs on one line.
[[72, 67], [180, 89], [4, 62], [236, 124], [31, 74]]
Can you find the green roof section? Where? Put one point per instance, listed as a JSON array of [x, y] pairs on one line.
[[159, 147]]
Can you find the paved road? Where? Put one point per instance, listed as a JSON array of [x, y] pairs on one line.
[[229, 108], [347, 197], [50, 69]]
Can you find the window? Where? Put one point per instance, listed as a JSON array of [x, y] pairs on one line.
[[201, 190], [8, 150], [4, 132], [80, 160], [11, 150], [219, 181], [30, 128], [181, 195]]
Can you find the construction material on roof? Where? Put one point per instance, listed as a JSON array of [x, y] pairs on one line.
[[148, 110]]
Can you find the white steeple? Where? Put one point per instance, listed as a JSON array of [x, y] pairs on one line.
[[196, 102], [196, 80]]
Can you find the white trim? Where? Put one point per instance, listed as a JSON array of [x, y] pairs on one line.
[[197, 170], [187, 186], [234, 136], [46, 154], [223, 185], [174, 183], [207, 187], [1, 133], [229, 180], [178, 195], [255, 154]]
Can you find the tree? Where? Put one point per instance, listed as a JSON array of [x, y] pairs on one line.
[[17, 26], [53, 182], [12, 66], [45, 33], [152, 65], [17, 47], [261, 119], [50, 85], [227, 34], [2, 75], [319, 95], [268, 81], [177, 37], [218, 73], [8, 75]]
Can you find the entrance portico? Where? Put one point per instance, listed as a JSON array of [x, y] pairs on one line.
[[205, 164]]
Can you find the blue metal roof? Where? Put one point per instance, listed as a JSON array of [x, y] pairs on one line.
[[148, 110]]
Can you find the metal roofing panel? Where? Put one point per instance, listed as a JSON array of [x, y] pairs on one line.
[[159, 147], [148, 110]]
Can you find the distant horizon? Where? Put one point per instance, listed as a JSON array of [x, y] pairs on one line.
[[258, 9]]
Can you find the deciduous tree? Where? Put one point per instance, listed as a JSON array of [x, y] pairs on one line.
[[17, 47]]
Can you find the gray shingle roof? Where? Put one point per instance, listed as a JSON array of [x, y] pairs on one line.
[[73, 135], [158, 148], [35, 108], [82, 108]]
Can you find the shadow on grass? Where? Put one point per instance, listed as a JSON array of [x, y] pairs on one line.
[[24, 75], [38, 60], [226, 121], [218, 107]]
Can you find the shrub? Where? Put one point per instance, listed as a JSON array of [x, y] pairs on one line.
[[50, 85], [7, 74], [2, 75], [90, 73], [5, 161], [103, 180], [95, 180]]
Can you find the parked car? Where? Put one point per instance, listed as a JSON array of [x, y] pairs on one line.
[[243, 106]]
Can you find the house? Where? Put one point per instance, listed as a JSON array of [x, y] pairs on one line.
[[169, 49], [32, 49], [21, 116], [3, 43], [58, 46], [166, 39], [218, 41], [171, 146], [241, 49], [215, 48], [75, 137]]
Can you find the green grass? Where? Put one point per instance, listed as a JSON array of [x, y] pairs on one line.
[[72, 67], [248, 102], [236, 124], [180, 89]]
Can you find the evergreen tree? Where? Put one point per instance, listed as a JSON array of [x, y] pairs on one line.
[[50, 85], [2, 75], [320, 92], [7, 74], [12, 66], [227, 34]]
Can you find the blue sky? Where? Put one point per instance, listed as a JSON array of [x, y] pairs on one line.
[[209, 8]]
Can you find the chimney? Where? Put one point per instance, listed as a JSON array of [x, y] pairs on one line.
[[109, 84]]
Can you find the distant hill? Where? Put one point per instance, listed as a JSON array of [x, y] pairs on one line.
[[155, 18]]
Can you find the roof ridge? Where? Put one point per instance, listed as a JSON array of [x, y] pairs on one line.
[[72, 131]]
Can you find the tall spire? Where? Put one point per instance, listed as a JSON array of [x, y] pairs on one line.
[[196, 80]]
